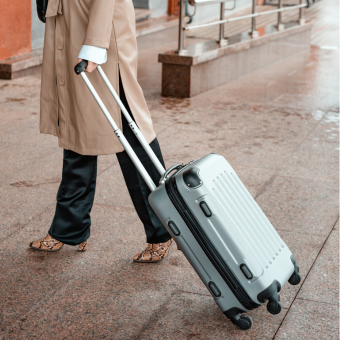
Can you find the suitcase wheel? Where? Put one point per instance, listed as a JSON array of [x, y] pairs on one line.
[[295, 279], [244, 322], [238, 319], [274, 306]]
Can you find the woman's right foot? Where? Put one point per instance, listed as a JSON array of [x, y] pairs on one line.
[[154, 252], [46, 244]]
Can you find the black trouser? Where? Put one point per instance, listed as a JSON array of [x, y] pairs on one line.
[[72, 221]]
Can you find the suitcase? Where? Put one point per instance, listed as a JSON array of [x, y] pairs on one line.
[[218, 225]]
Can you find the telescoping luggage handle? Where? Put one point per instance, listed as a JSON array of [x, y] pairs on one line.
[[80, 69]]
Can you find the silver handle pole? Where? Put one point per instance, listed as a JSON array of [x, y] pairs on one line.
[[301, 18], [181, 49], [280, 25], [222, 40], [120, 135], [254, 33], [222, 25], [132, 124], [283, 9]]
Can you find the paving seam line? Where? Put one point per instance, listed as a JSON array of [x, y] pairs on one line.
[[18, 226], [100, 173], [185, 291], [155, 315], [273, 177], [24, 316], [117, 207], [310, 269], [61, 286], [298, 146], [319, 302], [263, 188], [308, 179], [301, 233]]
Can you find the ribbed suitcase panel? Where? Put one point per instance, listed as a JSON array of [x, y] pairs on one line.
[[255, 231]]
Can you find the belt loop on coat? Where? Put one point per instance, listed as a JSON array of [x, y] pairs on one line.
[[54, 7]]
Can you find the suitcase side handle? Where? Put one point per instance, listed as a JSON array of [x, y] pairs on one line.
[[166, 174], [132, 124], [116, 130]]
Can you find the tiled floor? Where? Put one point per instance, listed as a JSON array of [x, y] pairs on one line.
[[278, 127]]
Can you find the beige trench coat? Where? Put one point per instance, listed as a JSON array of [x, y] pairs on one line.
[[67, 108]]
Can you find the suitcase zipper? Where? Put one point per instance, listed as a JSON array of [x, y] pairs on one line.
[[207, 246]]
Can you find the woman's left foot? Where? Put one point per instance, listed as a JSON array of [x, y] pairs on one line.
[[154, 252], [82, 246]]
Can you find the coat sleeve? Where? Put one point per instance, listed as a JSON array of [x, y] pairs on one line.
[[100, 23], [95, 54]]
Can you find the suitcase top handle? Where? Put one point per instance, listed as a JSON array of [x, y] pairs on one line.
[[166, 174]]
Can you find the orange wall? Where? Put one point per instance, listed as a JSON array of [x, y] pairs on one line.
[[15, 27], [173, 7]]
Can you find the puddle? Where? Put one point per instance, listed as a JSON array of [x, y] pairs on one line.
[[332, 117], [318, 115], [171, 103], [334, 48], [3, 86], [15, 99], [29, 184]]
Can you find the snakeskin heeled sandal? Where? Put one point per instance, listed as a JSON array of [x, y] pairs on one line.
[[51, 244], [82, 246], [46, 244], [154, 252]]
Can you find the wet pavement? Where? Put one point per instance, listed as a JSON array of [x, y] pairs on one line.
[[278, 127], [323, 14]]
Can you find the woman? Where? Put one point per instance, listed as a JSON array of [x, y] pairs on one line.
[[100, 31]]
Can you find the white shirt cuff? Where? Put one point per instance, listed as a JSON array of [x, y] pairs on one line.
[[95, 54]]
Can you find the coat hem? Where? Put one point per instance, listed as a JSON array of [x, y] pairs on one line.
[[49, 132]]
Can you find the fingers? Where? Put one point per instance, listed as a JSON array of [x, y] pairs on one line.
[[91, 66]]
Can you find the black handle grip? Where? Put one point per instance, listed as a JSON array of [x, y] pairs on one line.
[[81, 67]]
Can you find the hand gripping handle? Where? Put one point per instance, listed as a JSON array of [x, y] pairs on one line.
[[81, 67]]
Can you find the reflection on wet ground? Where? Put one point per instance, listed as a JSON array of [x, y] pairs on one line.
[[278, 127]]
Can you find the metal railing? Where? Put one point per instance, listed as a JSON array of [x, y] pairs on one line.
[[222, 41]]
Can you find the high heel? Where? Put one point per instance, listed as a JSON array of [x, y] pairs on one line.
[[82, 246]]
